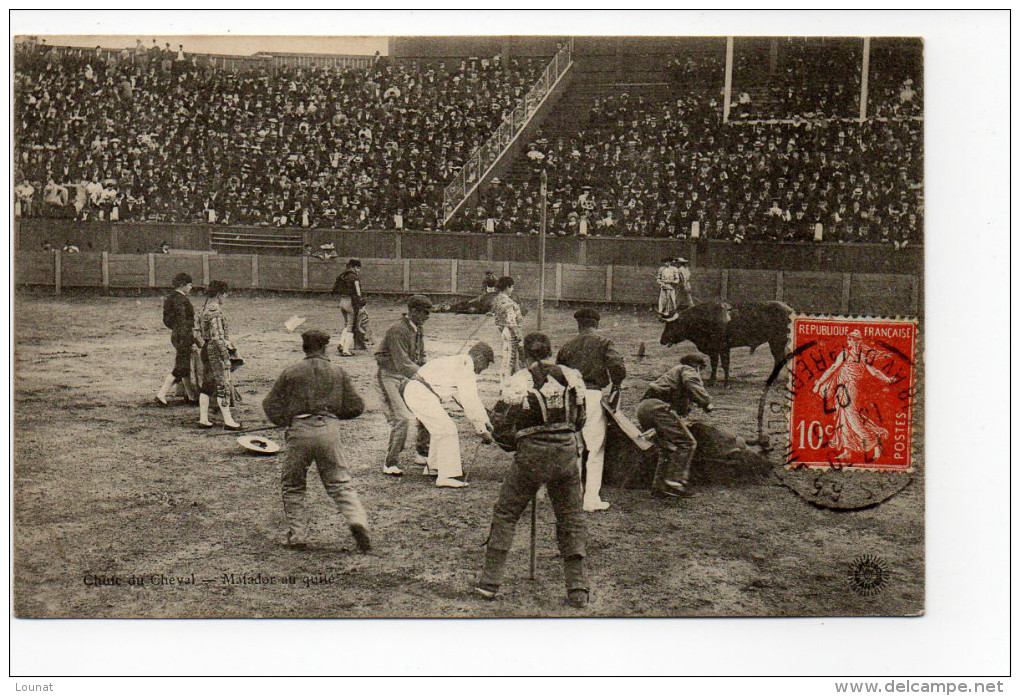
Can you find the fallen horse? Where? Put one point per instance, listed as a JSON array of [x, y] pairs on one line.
[[721, 459]]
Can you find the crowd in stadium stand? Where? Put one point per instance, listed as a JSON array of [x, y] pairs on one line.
[[806, 80], [157, 134], [652, 169]]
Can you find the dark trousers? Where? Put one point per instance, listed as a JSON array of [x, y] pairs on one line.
[[182, 357], [549, 460], [675, 441], [400, 418]]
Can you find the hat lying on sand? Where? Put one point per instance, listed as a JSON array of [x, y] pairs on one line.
[[258, 445]]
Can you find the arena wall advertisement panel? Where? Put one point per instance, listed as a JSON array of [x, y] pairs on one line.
[[748, 394]]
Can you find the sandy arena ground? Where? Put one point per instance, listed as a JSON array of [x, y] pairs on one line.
[[108, 484]]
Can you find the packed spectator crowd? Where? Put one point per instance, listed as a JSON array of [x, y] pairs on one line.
[[895, 82], [653, 168], [156, 134], [805, 79]]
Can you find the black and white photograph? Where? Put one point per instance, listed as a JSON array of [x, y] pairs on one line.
[[526, 326]]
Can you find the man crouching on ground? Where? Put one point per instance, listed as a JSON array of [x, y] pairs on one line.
[[551, 415], [309, 397], [665, 405]]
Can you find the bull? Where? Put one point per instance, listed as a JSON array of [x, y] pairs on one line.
[[716, 327]]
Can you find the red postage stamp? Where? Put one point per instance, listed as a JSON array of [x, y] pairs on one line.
[[852, 388]]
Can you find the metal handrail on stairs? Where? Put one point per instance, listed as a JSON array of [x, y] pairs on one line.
[[484, 157]]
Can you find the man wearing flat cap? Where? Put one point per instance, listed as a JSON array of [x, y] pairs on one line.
[[352, 302], [310, 397], [601, 366], [179, 317], [665, 406], [400, 354]]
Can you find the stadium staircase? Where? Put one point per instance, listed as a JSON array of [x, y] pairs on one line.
[[508, 139], [571, 115], [591, 81], [254, 241]]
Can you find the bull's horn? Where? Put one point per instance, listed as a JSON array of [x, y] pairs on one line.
[[673, 317]]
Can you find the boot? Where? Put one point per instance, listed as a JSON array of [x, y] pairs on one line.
[[577, 587], [361, 538], [346, 343], [161, 394], [190, 393], [670, 474], [228, 420], [203, 411], [573, 573], [492, 573]]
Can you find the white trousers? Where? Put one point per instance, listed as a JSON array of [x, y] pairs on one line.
[[594, 434], [444, 450], [348, 317], [667, 300]]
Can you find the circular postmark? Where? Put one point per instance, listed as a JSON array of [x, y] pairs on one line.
[[839, 415], [868, 574]]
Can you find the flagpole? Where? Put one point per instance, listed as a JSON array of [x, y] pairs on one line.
[[541, 307]]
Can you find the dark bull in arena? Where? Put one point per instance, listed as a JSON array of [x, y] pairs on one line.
[[716, 327]]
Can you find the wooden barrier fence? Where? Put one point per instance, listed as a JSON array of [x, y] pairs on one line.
[[878, 294], [142, 238]]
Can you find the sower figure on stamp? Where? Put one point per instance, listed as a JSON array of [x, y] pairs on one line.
[[664, 406], [601, 366], [452, 378], [840, 386], [216, 349], [548, 406], [399, 356], [310, 397], [509, 322], [348, 287], [179, 317]]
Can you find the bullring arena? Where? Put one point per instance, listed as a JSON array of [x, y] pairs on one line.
[[107, 484]]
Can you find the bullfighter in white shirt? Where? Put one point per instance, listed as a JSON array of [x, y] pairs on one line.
[[446, 378]]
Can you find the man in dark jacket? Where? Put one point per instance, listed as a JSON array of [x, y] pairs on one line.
[[179, 317], [601, 366], [664, 406], [310, 397], [481, 304], [549, 399], [352, 301], [399, 356]]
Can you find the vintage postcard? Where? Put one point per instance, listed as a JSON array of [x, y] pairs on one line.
[[491, 326]]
